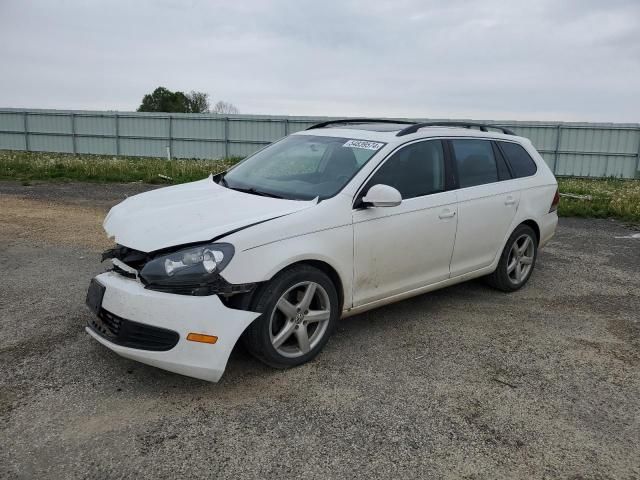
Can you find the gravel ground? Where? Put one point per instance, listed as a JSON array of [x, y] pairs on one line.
[[465, 382]]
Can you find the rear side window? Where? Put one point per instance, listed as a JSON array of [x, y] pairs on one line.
[[521, 162], [416, 170], [475, 161]]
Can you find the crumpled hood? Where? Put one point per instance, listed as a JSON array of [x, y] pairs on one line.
[[191, 212]]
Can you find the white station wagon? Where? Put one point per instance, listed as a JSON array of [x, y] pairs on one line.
[[343, 217]]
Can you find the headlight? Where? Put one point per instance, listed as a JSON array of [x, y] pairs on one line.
[[192, 266]]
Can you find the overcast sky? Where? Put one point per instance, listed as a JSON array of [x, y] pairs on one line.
[[525, 60]]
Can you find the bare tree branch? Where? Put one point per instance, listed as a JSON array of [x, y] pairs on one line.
[[224, 107]]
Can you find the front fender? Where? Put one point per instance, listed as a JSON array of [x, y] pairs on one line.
[[261, 263]]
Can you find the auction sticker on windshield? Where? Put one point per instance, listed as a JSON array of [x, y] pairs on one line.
[[363, 144]]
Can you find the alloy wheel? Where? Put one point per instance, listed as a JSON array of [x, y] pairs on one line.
[[520, 260], [300, 319]]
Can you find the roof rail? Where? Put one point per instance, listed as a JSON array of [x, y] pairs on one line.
[[347, 121], [483, 127]]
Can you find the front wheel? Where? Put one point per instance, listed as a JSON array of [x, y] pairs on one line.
[[517, 260], [300, 310]]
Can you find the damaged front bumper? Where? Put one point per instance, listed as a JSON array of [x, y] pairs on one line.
[[154, 314]]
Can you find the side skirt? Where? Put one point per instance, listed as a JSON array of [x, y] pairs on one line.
[[418, 291]]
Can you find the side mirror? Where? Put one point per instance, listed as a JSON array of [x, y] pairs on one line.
[[382, 196]]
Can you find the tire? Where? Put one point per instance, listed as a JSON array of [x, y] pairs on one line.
[[510, 276], [283, 303]]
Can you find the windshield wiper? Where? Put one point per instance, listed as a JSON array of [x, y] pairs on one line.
[[250, 190], [253, 191]]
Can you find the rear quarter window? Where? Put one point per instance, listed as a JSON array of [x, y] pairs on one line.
[[521, 162]]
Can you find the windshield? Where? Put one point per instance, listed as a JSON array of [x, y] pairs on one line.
[[301, 167]]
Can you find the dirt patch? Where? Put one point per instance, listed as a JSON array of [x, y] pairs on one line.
[[51, 223]]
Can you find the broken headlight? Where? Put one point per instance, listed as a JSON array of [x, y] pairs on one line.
[[193, 266]]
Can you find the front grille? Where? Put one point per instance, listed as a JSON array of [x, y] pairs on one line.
[[128, 333]]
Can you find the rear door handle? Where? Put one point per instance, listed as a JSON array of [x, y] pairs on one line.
[[447, 214], [510, 201]]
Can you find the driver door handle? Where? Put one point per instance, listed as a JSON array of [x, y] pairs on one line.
[[447, 214]]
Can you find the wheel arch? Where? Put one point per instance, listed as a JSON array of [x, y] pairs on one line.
[[323, 266], [528, 222], [244, 301], [534, 226], [495, 278]]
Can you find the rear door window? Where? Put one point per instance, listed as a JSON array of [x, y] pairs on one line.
[[475, 162], [521, 162]]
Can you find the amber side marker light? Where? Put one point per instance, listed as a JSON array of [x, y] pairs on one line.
[[202, 338]]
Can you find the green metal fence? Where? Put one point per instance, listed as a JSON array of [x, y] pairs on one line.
[[572, 149]]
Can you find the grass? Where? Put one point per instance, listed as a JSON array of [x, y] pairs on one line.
[[29, 166], [610, 197]]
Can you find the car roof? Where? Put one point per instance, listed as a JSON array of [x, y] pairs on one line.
[[387, 132]]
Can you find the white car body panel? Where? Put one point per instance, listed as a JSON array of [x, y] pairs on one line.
[[479, 236], [326, 235], [188, 213], [379, 255], [422, 228]]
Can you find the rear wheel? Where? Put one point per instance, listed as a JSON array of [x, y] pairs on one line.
[[300, 309], [517, 261]]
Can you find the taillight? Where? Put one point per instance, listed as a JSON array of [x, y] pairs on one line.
[[556, 201]]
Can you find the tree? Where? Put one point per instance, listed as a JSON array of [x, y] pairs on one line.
[[164, 100], [224, 107], [198, 102]]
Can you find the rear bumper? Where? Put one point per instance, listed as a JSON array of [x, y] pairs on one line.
[[548, 227], [127, 298]]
